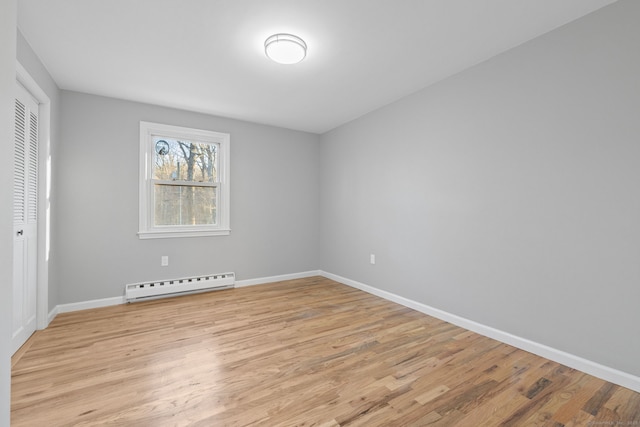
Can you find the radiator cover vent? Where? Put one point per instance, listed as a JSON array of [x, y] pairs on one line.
[[161, 288]]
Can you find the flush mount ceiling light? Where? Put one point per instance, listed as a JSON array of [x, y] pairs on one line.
[[285, 48]]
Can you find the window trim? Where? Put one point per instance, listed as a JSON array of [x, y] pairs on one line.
[[146, 208]]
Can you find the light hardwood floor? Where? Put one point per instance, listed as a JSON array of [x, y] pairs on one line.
[[307, 352]]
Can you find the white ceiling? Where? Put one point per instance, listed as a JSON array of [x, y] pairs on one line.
[[208, 55]]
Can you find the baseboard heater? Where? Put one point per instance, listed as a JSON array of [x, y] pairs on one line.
[[164, 288]]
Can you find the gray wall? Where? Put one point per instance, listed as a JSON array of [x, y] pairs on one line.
[[39, 73], [8, 10], [274, 201], [507, 194]]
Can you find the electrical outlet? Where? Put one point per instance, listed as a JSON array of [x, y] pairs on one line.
[[164, 261], [372, 259]]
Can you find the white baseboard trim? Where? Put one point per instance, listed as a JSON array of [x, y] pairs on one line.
[[592, 368], [271, 279], [105, 302], [53, 313], [84, 305]]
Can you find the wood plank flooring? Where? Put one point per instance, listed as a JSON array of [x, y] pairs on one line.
[[307, 352]]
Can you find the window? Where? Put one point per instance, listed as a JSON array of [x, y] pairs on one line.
[[184, 182]]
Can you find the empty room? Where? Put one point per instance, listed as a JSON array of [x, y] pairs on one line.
[[320, 213]]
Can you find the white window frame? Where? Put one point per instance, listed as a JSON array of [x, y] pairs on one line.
[[147, 230]]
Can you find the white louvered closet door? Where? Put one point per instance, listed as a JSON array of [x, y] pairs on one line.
[[25, 217]]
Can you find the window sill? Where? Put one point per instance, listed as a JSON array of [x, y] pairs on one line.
[[181, 233]]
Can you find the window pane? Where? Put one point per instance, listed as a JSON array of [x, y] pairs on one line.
[[185, 205], [181, 160]]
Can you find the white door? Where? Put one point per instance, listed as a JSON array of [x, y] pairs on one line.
[[25, 217]]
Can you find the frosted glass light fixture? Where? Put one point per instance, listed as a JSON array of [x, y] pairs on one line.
[[285, 48]]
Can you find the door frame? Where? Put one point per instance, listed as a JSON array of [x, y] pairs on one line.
[[44, 194]]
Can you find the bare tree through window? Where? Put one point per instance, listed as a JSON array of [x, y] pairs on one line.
[[181, 173]]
